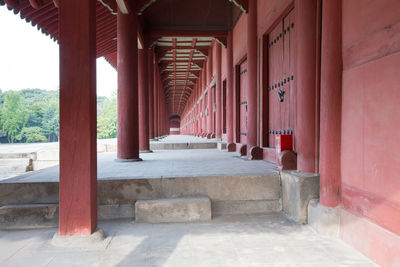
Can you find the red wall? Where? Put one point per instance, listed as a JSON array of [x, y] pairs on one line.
[[240, 40], [370, 153], [371, 113]]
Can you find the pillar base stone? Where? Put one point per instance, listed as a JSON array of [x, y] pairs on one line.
[[97, 240], [324, 220], [128, 160], [243, 150], [287, 160], [297, 190], [256, 153], [231, 147], [221, 145], [145, 151]]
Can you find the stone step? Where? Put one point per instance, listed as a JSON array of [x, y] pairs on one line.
[[14, 166], [33, 216], [28, 216], [16, 155], [176, 146], [188, 209], [221, 145]]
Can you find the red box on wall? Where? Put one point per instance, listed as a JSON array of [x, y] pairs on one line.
[[282, 142]]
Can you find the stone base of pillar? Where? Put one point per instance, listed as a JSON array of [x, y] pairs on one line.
[[221, 145], [231, 147], [297, 190], [128, 160], [256, 153], [324, 220], [287, 160], [97, 240], [243, 150], [145, 151]]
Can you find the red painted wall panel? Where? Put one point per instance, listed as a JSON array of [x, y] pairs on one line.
[[269, 12], [239, 40], [370, 155], [364, 17]]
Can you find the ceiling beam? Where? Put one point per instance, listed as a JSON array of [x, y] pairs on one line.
[[157, 33]]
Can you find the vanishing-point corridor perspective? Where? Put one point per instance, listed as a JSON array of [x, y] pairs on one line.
[[249, 133]]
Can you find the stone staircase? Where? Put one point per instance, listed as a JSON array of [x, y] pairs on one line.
[[154, 200]]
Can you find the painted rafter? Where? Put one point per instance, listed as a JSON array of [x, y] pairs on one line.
[[174, 59], [189, 66]]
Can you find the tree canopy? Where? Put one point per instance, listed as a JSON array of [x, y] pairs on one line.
[[32, 115]]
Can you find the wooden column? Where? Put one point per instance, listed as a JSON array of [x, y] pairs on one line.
[[150, 74], [218, 121], [155, 96], [144, 144], [128, 121], [331, 96], [305, 76], [229, 93], [78, 156], [253, 151]]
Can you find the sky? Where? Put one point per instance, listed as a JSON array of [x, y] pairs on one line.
[[29, 59]]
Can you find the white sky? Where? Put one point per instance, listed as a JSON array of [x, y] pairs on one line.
[[29, 59]]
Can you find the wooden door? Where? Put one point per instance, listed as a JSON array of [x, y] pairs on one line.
[[281, 92], [243, 102]]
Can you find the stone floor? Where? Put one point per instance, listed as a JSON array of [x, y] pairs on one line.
[[257, 240], [185, 139], [164, 163], [34, 147]]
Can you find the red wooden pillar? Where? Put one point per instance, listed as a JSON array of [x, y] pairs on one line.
[[331, 94], [205, 99], [197, 108], [155, 96], [128, 121], [218, 122], [144, 145], [252, 76], [78, 158], [305, 67], [150, 74], [210, 100], [229, 93], [159, 129]]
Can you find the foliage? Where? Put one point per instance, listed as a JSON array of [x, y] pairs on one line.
[[32, 115], [50, 124], [14, 115], [31, 135], [107, 120]]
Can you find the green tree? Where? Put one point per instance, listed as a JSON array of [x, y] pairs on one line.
[[14, 115], [107, 120], [51, 123], [31, 135]]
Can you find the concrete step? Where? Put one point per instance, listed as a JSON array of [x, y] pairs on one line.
[[176, 146], [188, 209], [221, 145], [33, 216], [17, 155], [14, 166], [229, 194], [28, 216]]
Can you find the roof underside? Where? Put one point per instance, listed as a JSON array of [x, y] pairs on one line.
[[181, 31]]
